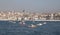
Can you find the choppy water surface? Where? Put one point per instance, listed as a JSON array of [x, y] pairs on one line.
[[16, 28]]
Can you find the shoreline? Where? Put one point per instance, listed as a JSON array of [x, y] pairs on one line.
[[29, 20]]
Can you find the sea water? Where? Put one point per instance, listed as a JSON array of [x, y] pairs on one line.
[[15, 28]]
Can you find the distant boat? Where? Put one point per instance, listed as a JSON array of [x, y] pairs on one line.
[[39, 24], [17, 20], [44, 23], [32, 26], [22, 21]]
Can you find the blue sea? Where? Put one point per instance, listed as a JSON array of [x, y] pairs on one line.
[[15, 28]]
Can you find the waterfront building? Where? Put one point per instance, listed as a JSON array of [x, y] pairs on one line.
[[52, 17], [56, 16]]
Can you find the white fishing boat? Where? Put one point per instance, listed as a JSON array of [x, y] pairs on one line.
[[40, 24], [32, 26], [44, 23]]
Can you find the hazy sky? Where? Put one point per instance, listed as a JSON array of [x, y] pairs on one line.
[[33, 5]]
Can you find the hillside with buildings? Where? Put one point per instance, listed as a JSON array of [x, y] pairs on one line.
[[29, 16]]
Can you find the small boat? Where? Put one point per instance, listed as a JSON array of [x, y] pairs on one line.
[[39, 24], [44, 23], [22, 22], [12, 21], [32, 26], [15, 21]]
